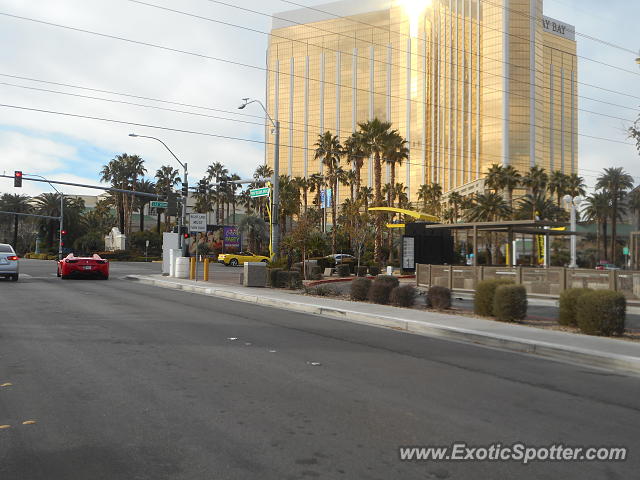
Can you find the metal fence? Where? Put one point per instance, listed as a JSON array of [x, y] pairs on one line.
[[540, 281]]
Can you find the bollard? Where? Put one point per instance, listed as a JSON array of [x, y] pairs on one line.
[[206, 270], [192, 268]]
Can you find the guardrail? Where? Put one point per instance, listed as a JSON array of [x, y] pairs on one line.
[[549, 281]]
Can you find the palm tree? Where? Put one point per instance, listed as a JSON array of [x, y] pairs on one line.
[[256, 229], [489, 207], [575, 185], [455, 200], [18, 204], [289, 201], [598, 208], [511, 179], [494, 178], [203, 196], [539, 207], [167, 178], [304, 185], [366, 195], [216, 173], [431, 196], [146, 186], [535, 180], [355, 155], [558, 185], [375, 141], [615, 182], [122, 172], [233, 190], [395, 153], [329, 150]]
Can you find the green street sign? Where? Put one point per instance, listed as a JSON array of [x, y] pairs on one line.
[[625, 250], [156, 204], [259, 192]]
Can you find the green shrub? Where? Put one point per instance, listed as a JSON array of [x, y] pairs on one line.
[[326, 262], [343, 270], [52, 257], [323, 291], [361, 271], [601, 312], [568, 305], [510, 303], [289, 280], [483, 299], [404, 295], [360, 288], [138, 241], [43, 256], [374, 270], [281, 263], [439, 297], [272, 277], [381, 288]]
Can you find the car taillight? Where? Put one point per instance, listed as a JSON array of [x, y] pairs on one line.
[[12, 257]]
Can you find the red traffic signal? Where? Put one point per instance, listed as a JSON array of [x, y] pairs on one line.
[[64, 232], [17, 178], [186, 235]]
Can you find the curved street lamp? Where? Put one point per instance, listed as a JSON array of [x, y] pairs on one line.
[[573, 203], [275, 202]]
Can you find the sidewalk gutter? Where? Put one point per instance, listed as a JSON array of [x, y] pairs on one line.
[[544, 349]]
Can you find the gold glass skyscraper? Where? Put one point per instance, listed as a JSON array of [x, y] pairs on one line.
[[468, 83]]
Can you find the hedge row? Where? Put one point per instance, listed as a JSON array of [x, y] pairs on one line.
[[501, 299]]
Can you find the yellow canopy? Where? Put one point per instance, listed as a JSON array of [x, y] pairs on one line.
[[410, 213]]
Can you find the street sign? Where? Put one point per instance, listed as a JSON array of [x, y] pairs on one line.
[[625, 250], [198, 222], [259, 192], [157, 204], [326, 198]]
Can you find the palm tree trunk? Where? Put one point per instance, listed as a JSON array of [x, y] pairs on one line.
[[604, 239], [613, 230], [378, 202], [358, 179], [158, 222], [333, 215]]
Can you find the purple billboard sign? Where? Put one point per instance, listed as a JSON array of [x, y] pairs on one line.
[[231, 237]]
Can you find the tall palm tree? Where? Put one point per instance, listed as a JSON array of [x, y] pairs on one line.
[[375, 141], [395, 153], [303, 185], [493, 180], [615, 182], [123, 172], [576, 185], [455, 200], [329, 150], [558, 185], [354, 151], [167, 178], [431, 196], [145, 186], [18, 204], [535, 180], [203, 196], [366, 195], [216, 172], [511, 179], [489, 207], [598, 208]]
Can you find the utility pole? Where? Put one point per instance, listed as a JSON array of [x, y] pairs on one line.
[[275, 201]]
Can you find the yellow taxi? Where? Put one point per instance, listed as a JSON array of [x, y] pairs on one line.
[[235, 259]]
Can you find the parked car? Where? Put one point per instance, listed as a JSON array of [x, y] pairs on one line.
[[607, 266], [83, 267], [342, 257], [235, 259], [9, 267]]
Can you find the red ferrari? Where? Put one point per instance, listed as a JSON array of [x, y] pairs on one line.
[[82, 267]]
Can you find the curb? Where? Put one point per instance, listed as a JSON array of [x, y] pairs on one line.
[[514, 344]]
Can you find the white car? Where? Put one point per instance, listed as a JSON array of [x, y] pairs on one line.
[[9, 267], [341, 257]]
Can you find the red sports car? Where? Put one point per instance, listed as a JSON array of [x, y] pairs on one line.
[[72, 266]]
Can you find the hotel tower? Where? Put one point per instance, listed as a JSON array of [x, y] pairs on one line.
[[468, 83]]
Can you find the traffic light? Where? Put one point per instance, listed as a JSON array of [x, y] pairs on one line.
[[185, 189], [184, 231], [62, 234], [17, 178]]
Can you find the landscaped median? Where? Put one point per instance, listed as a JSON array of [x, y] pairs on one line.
[[590, 350]]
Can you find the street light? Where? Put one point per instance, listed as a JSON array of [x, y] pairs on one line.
[[275, 202], [574, 203], [185, 183], [61, 211]]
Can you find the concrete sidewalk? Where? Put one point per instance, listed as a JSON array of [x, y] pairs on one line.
[[595, 351]]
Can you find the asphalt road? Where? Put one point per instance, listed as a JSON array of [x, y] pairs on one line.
[[127, 381]]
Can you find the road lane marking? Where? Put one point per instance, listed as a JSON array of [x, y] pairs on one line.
[[7, 385], [2, 427], [29, 422]]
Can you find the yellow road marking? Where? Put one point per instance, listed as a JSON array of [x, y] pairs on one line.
[[5, 426], [6, 384], [28, 422]]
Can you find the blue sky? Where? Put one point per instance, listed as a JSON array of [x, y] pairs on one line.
[[71, 148]]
